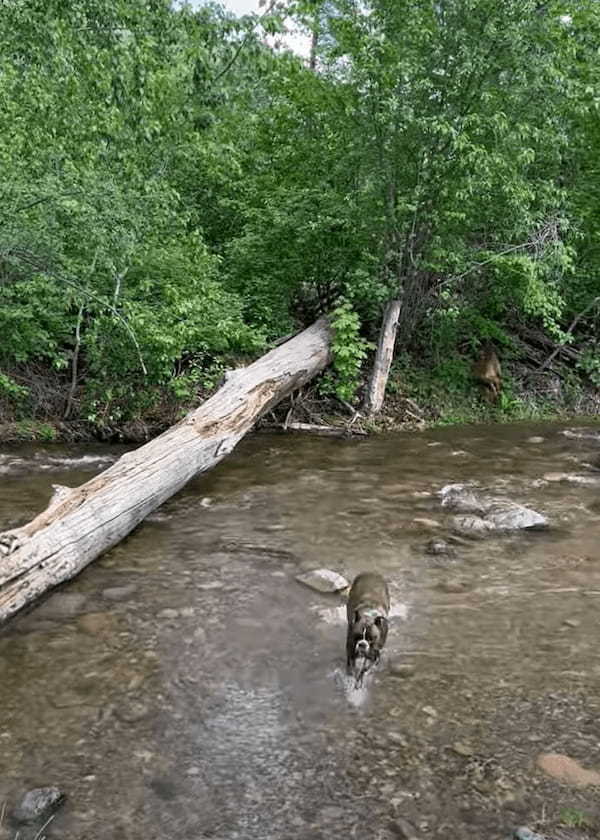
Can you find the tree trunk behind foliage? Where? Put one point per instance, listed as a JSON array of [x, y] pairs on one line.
[[83, 522], [383, 358]]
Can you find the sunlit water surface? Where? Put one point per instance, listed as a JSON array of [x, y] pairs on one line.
[[196, 689]]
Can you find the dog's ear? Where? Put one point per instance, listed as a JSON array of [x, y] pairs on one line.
[[356, 617]]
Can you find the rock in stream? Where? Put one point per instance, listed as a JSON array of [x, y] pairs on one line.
[[478, 514], [38, 804]]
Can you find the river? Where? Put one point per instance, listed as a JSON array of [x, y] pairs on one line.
[[185, 685]]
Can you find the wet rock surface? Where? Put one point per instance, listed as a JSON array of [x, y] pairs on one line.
[[479, 514], [61, 605], [119, 593], [323, 580], [210, 701], [37, 804]]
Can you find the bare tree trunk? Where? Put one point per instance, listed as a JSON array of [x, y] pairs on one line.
[[83, 522], [74, 364], [383, 358]]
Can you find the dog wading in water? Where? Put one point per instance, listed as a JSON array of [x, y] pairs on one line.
[[367, 612]]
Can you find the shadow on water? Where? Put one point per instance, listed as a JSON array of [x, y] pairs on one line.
[[186, 686]]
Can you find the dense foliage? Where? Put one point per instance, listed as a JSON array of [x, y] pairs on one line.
[[176, 192]]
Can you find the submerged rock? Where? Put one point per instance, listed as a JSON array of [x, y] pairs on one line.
[[567, 770], [168, 613], [119, 593], [402, 670], [323, 580], [438, 547], [582, 434], [460, 748], [96, 623], [526, 834], [572, 478], [37, 804], [403, 829], [62, 605], [452, 586]]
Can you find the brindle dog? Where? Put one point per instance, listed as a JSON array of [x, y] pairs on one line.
[[488, 372], [367, 611]]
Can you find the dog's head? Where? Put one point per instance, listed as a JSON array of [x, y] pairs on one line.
[[369, 631]]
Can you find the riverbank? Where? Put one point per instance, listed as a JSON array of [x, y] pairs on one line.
[[417, 397]]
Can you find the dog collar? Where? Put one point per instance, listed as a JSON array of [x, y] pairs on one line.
[[371, 613]]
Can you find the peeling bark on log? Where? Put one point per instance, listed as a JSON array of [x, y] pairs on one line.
[[83, 522], [383, 358]]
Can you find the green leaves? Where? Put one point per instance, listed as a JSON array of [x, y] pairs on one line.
[[194, 192], [349, 352]]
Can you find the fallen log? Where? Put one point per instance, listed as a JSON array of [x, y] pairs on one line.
[[82, 523]]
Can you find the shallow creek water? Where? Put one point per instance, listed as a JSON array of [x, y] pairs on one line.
[[190, 690]]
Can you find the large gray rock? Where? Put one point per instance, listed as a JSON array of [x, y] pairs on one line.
[[461, 499], [38, 804], [511, 516], [479, 514]]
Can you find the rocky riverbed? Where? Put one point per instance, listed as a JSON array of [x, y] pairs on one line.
[[186, 685]]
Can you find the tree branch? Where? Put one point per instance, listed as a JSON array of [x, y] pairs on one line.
[[574, 323]]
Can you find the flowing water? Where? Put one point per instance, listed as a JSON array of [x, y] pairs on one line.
[[185, 685]]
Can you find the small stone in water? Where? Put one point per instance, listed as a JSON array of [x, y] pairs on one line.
[[167, 613], [96, 623], [535, 439], [452, 587], [571, 622], [437, 547], [461, 748], [525, 834], [403, 829], [426, 523], [402, 670], [119, 593], [37, 804], [132, 712], [429, 711], [62, 605], [556, 476], [323, 580]]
